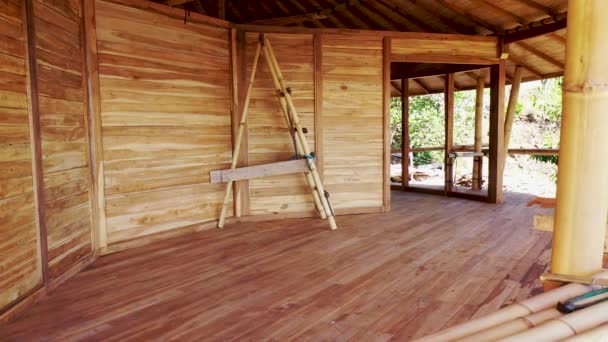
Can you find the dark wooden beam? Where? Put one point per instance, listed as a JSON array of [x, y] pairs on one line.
[[531, 32], [416, 70], [497, 138], [221, 9], [405, 133], [541, 54], [449, 131]]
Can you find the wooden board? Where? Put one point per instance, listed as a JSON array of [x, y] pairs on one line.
[[64, 132], [19, 260], [445, 49], [268, 136], [353, 121], [259, 171], [165, 107]]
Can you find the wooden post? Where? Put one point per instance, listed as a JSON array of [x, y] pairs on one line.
[[582, 186], [511, 111], [221, 9], [405, 133], [478, 161], [497, 119], [449, 131], [386, 109], [242, 187]]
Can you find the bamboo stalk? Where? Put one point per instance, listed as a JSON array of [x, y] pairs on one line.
[[239, 137], [596, 334], [524, 308], [298, 145], [582, 196], [298, 126], [477, 162]]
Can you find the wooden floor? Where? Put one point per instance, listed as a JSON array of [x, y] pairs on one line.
[[430, 263]]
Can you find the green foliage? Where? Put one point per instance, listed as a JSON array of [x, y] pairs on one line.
[[546, 100]]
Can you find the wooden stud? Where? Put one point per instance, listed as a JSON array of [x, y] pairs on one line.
[[386, 89], [510, 115], [35, 138], [497, 119], [582, 199], [449, 131], [478, 161], [93, 102], [318, 79], [405, 133]]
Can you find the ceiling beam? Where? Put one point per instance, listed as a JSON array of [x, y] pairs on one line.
[[221, 9], [541, 54], [416, 70], [422, 85], [467, 14], [173, 3], [533, 4], [537, 28]]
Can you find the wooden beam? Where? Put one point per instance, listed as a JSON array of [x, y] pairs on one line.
[[538, 6], [318, 95], [582, 199], [306, 17], [497, 119], [258, 171], [426, 58], [467, 15], [93, 102], [449, 131], [541, 54], [415, 70], [422, 85], [510, 115], [386, 108], [172, 3], [405, 133], [36, 138], [534, 30], [477, 161], [221, 9], [242, 187]]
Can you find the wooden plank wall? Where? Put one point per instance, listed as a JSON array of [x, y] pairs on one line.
[[63, 125], [445, 48], [353, 124], [19, 261], [165, 111], [268, 137]]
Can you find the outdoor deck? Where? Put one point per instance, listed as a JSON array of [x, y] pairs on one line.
[[429, 263]]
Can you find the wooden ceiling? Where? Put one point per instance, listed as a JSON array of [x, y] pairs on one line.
[[541, 56]]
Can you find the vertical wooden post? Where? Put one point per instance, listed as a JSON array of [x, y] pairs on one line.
[[405, 133], [449, 131], [239, 67], [35, 138], [478, 161], [386, 89], [221, 9], [318, 78], [93, 102], [235, 114], [582, 186], [511, 111], [497, 120]]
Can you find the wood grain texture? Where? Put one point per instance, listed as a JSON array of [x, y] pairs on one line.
[[432, 262], [269, 139], [19, 260], [353, 120], [445, 47], [165, 91], [64, 135]]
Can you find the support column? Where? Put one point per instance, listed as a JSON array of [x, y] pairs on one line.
[[449, 131], [497, 132], [582, 187], [478, 161], [405, 133], [510, 116]]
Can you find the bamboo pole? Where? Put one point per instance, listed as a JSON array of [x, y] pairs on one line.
[[477, 162], [511, 106], [274, 68], [524, 308], [296, 139], [239, 137], [582, 187], [596, 334]]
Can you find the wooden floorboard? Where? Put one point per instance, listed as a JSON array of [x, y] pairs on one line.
[[430, 263]]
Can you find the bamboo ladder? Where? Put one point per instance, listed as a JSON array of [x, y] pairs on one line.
[[320, 196]]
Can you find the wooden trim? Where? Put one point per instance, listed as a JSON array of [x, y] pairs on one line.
[[422, 190], [169, 234], [359, 211], [280, 216], [405, 132], [172, 12], [93, 105], [259, 171], [318, 79], [373, 33], [449, 131], [35, 137], [497, 119], [19, 308], [427, 58], [386, 89], [468, 196], [242, 187]]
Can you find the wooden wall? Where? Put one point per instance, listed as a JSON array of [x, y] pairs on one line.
[[268, 137], [353, 120], [64, 135], [19, 261], [444, 48], [165, 110]]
